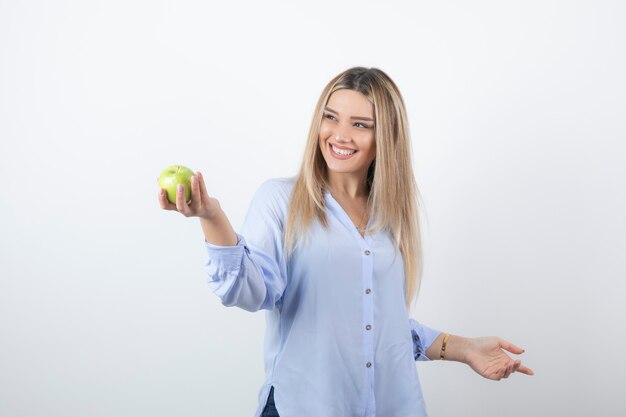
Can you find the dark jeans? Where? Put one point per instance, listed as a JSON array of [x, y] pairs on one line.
[[270, 409]]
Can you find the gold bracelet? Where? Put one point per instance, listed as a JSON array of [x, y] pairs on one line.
[[443, 346]]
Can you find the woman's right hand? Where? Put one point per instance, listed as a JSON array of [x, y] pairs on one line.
[[201, 204]]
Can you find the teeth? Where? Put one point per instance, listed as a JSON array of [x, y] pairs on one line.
[[342, 151]]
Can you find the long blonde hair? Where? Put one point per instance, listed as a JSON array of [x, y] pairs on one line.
[[393, 193]]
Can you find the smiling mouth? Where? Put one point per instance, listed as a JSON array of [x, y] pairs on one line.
[[342, 152]]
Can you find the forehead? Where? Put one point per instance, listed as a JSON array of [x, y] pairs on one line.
[[350, 103]]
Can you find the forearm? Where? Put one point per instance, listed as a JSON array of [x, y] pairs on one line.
[[456, 348], [218, 230]]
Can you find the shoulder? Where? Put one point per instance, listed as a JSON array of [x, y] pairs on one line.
[[279, 188], [274, 194]]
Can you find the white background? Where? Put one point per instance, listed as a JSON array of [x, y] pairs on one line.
[[516, 111]]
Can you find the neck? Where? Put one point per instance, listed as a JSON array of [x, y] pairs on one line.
[[347, 185]]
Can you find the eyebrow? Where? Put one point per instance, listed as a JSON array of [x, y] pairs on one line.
[[353, 117]]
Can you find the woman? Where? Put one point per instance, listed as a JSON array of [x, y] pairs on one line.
[[319, 252]]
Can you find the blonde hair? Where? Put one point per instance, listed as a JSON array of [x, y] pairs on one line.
[[393, 192]]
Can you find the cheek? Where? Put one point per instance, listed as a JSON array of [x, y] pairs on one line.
[[370, 143], [324, 131], [320, 140], [321, 144]]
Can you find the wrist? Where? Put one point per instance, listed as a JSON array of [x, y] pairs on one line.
[[457, 348], [218, 230], [212, 214]]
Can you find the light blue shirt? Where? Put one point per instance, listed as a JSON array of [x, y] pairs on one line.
[[338, 340]]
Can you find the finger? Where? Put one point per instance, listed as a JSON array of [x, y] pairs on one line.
[[510, 347], [501, 372], [164, 202], [181, 204], [195, 194], [493, 375], [202, 186], [525, 370], [509, 369], [496, 375], [505, 371]]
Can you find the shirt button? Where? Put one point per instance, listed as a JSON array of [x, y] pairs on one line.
[[369, 364], [368, 327], [416, 338], [367, 252], [367, 291]]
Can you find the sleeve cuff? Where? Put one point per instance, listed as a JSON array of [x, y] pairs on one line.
[[224, 260], [240, 242], [423, 337]]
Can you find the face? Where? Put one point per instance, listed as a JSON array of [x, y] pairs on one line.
[[347, 133]]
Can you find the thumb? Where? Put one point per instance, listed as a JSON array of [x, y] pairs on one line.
[[511, 347]]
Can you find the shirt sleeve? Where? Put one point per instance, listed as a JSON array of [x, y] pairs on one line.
[[252, 274], [423, 337]]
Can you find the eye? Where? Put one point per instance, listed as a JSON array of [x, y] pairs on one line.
[[328, 116], [359, 123]]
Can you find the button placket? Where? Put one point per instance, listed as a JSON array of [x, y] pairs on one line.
[[367, 257], [369, 334]]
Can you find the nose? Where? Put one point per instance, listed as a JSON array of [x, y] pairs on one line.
[[341, 135]]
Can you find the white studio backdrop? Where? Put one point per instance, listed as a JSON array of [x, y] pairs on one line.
[[516, 111]]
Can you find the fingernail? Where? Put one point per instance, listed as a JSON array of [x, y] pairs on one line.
[[162, 191], [180, 188]]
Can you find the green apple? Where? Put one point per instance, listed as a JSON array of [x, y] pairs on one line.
[[171, 177]]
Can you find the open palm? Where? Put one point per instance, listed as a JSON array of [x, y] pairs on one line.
[[487, 356]]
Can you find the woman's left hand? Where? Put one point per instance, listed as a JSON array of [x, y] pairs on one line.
[[487, 356]]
